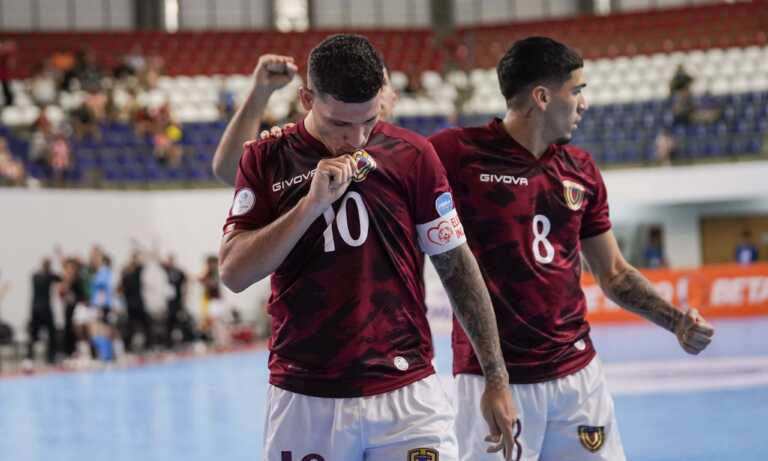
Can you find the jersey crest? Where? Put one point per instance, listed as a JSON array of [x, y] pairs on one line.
[[364, 164], [574, 194]]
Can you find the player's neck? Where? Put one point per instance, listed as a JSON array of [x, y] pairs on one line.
[[527, 131], [309, 125]]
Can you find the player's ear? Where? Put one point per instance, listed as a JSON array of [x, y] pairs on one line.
[[541, 96], [307, 98]]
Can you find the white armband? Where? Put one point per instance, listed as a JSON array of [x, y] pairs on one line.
[[443, 234]]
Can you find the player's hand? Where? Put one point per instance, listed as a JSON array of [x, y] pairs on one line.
[[693, 332], [273, 72], [275, 131], [500, 412], [331, 180]]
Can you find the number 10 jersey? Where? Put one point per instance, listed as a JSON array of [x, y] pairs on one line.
[[524, 218], [347, 303]]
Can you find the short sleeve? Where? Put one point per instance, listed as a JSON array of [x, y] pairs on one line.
[[596, 218], [437, 221], [446, 148], [251, 207]]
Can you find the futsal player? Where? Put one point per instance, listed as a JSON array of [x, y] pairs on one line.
[[339, 210], [531, 204]]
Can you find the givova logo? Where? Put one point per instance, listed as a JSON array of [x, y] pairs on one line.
[[503, 179], [298, 179]]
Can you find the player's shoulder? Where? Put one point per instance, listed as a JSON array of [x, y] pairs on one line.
[[405, 137], [579, 154], [460, 135], [262, 149]]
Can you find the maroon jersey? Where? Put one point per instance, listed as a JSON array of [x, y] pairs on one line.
[[347, 303], [524, 218]]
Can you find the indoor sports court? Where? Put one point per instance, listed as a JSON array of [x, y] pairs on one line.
[[128, 133]]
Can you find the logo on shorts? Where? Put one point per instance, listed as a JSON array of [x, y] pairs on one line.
[[574, 194], [364, 164], [592, 437], [423, 454]]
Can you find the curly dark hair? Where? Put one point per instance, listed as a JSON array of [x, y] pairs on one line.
[[536, 60], [346, 67]]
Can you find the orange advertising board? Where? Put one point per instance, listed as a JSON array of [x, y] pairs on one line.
[[727, 290]]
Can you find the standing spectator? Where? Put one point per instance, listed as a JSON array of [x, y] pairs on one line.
[[211, 292], [133, 293], [102, 285], [7, 63], [72, 293], [176, 313], [746, 251], [42, 312], [653, 255]]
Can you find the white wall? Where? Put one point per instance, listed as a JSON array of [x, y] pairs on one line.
[[371, 13]]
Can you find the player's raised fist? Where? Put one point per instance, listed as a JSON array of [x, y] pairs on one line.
[[693, 332], [274, 71]]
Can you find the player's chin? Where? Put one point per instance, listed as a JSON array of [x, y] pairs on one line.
[[563, 140]]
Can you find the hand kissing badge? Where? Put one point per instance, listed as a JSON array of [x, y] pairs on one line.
[[364, 164], [441, 233]]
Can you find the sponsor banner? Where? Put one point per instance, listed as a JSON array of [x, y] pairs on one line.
[[728, 290]]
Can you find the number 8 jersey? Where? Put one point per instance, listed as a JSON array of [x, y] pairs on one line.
[[347, 303], [524, 218]]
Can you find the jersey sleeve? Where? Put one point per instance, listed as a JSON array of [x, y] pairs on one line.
[[596, 218], [446, 147], [251, 207], [437, 222]]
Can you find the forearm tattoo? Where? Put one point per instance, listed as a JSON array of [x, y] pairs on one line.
[[635, 293], [471, 303]]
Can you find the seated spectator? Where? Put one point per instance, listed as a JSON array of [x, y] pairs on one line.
[[60, 160], [12, 171], [7, 63], [746, 251], [42, 86]]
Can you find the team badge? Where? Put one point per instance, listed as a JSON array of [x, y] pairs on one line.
[[592, 437], [244, 200], [574, 194], [364, 164], [423, 454]]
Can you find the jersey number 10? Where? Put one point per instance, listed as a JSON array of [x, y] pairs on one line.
[[342, 224]]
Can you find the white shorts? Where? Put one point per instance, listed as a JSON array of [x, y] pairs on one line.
[[84, 314], [414, 422], [569, 418]]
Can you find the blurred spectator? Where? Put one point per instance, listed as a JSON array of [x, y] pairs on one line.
[[63, 63], [102, 284], [72, 293], [177, 317], [653, 255], [60, 160], [87, 71], [155, 69], [746, 251], [42, 86], [211, 291], [7, 63], [133, 294], [684, 113], [42, 311], [166, 137], [12, 171], [132, 64]]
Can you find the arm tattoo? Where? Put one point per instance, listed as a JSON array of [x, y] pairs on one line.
[[471, 303], [635, 293]]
